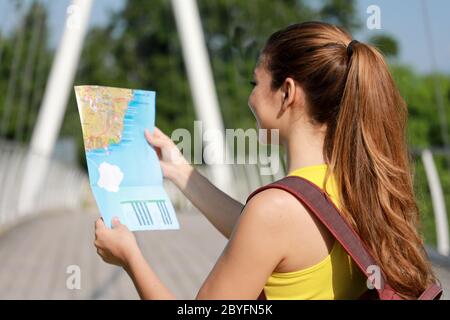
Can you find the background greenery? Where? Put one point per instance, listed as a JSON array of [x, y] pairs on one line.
[[140, 48]]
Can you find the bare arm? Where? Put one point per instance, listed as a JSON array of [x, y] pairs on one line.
[[257, 245], [219, 208]]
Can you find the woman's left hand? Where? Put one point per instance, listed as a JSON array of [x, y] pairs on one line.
[[117, 245]]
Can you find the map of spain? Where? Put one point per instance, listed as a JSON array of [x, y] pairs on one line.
[[102, 115], [124, 170]]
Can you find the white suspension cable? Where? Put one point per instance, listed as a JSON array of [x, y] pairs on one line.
[[202, 85], [54, 103]]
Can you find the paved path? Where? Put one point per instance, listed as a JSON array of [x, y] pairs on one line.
[[35, 255]]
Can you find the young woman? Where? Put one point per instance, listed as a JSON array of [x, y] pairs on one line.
[[342, 122]]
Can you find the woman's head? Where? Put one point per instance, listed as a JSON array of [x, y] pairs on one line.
[[309, 70], [300, 75]]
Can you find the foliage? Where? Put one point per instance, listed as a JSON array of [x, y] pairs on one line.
[[140, 48]]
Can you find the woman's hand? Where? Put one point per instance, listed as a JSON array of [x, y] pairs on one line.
[[173, 165], [117, 245]]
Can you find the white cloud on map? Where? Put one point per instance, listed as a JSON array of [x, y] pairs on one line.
[[110, 177]]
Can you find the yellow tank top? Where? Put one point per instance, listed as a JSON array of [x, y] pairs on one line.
[[335, 277]]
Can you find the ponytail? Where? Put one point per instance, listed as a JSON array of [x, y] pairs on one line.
[[352, 91], [370, 161]]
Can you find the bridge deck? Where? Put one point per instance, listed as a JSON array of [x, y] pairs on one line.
[[35, 255]]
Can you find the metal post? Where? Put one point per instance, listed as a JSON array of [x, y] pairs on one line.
[[55, 99], [437, 197], [201, 82]]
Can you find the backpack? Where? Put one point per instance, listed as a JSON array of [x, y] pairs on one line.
[[319, 203]]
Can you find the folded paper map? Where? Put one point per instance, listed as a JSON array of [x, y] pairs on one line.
[[124, 170]]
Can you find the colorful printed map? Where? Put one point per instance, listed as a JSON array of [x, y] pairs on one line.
[[102, 115], [124, 170]]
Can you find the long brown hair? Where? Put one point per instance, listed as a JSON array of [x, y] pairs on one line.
[[365, 147]]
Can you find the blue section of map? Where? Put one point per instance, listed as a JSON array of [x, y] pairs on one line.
[[140, 201], [133, 155]]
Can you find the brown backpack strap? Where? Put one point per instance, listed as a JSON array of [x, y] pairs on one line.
[[434, 292], [319, 203]]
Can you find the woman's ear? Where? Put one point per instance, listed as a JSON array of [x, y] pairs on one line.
[[288, 92]]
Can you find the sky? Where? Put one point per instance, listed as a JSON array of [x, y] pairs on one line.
[[402, 19]]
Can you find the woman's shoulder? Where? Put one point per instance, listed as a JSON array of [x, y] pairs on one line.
[[283, 217], [271, 218], [277, 208], [273, 199]]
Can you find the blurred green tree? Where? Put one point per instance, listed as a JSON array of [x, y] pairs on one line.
[[341, 12], [140, 48], [25, 64], [386, 43]]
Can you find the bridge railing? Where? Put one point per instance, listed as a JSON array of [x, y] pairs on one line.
[[65, 187], [248, 177]]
